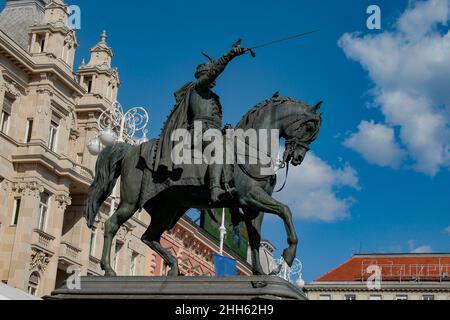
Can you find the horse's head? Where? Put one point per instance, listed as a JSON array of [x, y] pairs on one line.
[[297, 122], [300, 130]]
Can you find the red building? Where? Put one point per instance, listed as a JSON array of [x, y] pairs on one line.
[[386, 277], [194, 249]]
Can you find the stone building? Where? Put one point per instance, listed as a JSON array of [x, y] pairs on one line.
[[49, 112], [386, 277]]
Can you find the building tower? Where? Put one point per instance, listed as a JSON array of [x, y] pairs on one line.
[[98, 77], [52, 37], [101, 82]]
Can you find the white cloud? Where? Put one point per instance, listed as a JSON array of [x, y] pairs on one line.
[[423, 249], [376, 143], [410, 67], [422, 18], [420, 249], [311, 190], [447, 230]]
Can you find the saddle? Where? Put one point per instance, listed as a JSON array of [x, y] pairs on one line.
[[190, 175]]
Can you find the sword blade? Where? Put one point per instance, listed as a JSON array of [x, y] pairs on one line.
[[300, 35]]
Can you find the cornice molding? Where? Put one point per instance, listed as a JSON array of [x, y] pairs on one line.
[[27, 63]]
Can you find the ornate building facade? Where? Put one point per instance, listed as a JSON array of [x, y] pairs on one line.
[[49, 112]]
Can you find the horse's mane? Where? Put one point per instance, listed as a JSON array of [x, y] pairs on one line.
[[250, 116]]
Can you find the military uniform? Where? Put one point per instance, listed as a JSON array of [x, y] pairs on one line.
[[204, 106], [196, 102]]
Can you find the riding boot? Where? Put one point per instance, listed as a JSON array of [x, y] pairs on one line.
[[215, 174]]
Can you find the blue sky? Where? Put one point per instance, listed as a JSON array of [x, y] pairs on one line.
[[356, 198]]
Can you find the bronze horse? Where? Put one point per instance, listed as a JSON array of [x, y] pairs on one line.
[[298, 124]]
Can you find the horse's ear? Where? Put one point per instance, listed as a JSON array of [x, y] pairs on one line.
[[318, 106], [276, 95]]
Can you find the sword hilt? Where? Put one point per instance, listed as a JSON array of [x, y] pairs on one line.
[[238, 43]]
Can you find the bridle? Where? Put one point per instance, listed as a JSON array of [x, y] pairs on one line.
[[291, 145]]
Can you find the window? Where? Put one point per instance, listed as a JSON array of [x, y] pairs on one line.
[[16, 211], [401, 297], [325, 297], [33, 284], [41, 43], [428, 297], [92, 243], [133, 264], [53, 136], [4, 122], [376, 298], [43, 210], [350, 297], [29, 130], [6, 114], [88, 83]]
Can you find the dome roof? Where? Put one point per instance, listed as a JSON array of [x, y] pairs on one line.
[[18, 16]]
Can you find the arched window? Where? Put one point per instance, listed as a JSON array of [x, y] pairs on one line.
[[33, 284]]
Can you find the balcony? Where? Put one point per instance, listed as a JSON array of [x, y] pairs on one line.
[[42, 241], [94, 266], [69, 254]]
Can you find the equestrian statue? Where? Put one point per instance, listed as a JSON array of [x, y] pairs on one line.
[[151, 179]]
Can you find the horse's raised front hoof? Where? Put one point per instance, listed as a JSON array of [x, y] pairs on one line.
[[289, 255]]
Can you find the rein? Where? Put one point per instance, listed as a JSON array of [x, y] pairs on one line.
[[249, 174], [285, 178], [246, 172], [290, 144]]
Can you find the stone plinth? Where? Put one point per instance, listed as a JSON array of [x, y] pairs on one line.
[[182, 288]]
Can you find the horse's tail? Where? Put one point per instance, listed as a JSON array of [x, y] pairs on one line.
[[107, 170]]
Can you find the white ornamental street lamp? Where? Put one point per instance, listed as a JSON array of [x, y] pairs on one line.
[[116, 126], [292, 274], [223, 232], [95, 146]]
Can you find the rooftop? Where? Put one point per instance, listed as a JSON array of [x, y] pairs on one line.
[[18, 16], [394, 267]]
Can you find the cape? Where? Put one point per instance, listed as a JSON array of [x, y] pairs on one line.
[[178, 119]]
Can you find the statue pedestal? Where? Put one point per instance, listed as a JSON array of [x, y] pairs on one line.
[[181, 288]]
